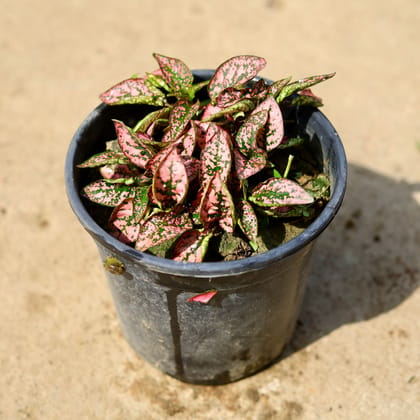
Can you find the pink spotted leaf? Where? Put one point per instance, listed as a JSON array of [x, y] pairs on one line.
[[188, 140], [161, 227], [249, 131], [276, 192], [234, 72], [175, 72], [170, 181], [140, 202], [131, 145], [132, 91], [274, 131], [101, 192], [217, 205], [191, 246], [216, 156], [123, 219], [205, 131], [192, 166], [248, 166], [203, 297], [247, 220], [181, 114], [209, 111]]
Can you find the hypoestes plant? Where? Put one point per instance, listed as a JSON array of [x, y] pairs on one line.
[[199, 165]]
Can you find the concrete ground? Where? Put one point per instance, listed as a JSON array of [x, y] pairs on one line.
[[356, 351]]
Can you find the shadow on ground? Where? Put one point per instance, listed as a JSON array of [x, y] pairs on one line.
[[367, 262]]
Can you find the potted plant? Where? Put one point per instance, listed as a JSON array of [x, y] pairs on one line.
[[204, 194]]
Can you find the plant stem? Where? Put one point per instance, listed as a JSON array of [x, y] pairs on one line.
[[289, 164]]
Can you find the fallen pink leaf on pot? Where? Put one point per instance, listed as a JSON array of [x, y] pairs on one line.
[[203, 297]]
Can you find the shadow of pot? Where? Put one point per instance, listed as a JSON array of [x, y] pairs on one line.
[[252, 317]]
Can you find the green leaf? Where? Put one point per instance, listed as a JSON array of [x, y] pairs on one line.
[[150, 118], [301, 85], [242, 106]]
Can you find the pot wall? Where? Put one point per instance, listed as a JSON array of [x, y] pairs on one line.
[[241, 330]]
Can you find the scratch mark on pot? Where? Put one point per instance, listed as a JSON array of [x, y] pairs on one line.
[[171, 296]]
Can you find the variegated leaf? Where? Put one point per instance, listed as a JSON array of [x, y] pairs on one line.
[[306, 98], [248, 132], [247, 220], [107, 157], [191, 246], [245, 105], [181, 114], [120, 171], [275, 88], [203, 297], [132, 91], [140, 202], [157, 81], [188, 140], [123, 219], [291, 142], [217, 205], [144, 124], [302, 84], [175, 72], [209, 111], [288, 211], [131, 145], [230, 96], [101, 192], [249, 166], [192, 166], [158, 158], [170, 182], [205, 131], [234, 72], [276, 192], [161, 227], [259, 90], [216, 156], [274, 131]]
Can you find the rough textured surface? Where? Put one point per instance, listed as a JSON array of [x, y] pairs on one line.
[[355, 354]]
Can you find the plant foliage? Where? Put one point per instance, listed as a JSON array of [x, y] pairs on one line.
[[193, 168]]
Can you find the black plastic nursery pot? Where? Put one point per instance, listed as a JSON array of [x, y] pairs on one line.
[[247, 324]]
